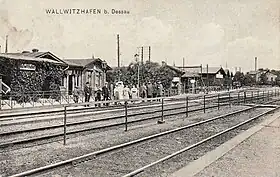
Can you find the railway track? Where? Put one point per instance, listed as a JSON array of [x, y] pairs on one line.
[[55, 131], [12, 138], [73, 113], [58, 112], [152, 146]]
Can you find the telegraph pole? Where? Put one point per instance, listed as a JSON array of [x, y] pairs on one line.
[[142, 63], [207, 78], [118, 52], [142, 55], [149, 53], [118, 55], [6, 49]]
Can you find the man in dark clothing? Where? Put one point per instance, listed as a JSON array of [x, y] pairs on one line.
[[98, 93], [87, 91], [154, 90], [149, 90], [105, 93]]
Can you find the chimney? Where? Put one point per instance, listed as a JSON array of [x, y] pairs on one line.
[[256, 60], [35, 50]]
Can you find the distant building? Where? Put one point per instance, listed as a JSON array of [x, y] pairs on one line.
[[257, 75], [216, 75]]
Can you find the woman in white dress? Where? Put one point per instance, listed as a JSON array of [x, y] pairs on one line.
[[126, 92], [134, 93]]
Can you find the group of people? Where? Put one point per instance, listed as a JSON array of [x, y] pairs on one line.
[[100, 94], [120, 92], [151, 90]]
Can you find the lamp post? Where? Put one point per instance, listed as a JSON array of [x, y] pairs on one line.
[[138, 78]]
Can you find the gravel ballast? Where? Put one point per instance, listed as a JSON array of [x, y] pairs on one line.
[[15, 161], [120, 162]]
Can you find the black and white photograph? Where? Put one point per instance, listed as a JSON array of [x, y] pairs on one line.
[[138, 88]]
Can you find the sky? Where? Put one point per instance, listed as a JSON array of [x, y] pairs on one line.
[[215, 32]]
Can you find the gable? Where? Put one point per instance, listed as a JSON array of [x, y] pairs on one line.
[[50, 56]]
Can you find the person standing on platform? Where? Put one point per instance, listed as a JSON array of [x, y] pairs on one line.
[[149, 90], [160, 89], [112, 91], [105, 93], [98, 94], [154, 90], [76, 95], [87, 91], [116, 93], [126, 92], [134, 93], [143, 91]]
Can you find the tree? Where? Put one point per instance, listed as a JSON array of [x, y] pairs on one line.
[[248, 80], [277, 80], [263, 79], [238, 78], [149, 71]]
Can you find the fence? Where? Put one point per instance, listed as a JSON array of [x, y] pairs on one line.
[[189, 104], [37, 99], [58, 98]]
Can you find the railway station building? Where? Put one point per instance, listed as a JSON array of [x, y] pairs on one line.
[[215, 76], [43, 71]]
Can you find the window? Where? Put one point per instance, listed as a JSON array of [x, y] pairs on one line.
[[62, 81]]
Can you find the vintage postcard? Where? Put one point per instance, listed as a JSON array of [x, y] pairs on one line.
[[109, 88]]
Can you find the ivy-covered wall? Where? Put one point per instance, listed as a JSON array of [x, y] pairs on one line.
[[46, 77]]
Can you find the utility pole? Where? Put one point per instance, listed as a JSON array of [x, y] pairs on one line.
[[118, 50], [256, 59], [118, 56], [6, 49], [142, 55], [184, 70], [207, 78], [149, 53], [142, 63]]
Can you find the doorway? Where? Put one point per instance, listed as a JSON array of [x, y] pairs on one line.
[[70, 84]]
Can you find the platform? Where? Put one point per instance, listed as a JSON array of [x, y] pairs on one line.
[[253, 153]]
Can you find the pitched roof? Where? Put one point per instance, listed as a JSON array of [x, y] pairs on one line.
[[27, 58], [175, 68], [84, 62], [211, 70], [28, 54], [79, 62], [36, 55], [190, 74]]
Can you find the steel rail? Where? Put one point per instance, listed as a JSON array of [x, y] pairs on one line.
[[89, 156], [85, 109], [89, 121], [44, 137], [191, 97], [137, 171]]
